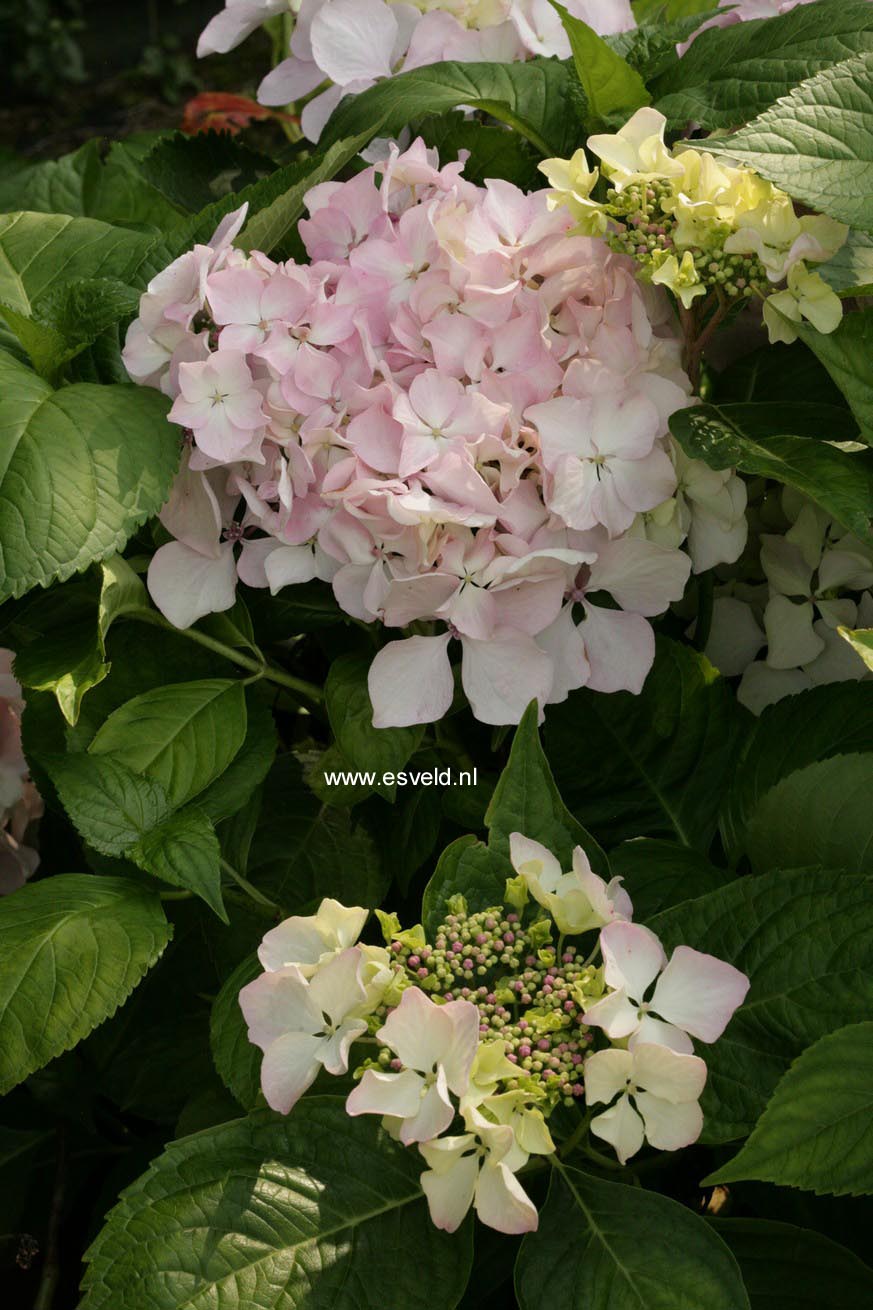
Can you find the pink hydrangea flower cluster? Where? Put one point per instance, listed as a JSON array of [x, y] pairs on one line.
[[482, 1035], [341, 47], [20, 802], [455, 415]]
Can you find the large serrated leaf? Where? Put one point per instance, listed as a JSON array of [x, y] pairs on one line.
[[836, 719], [840, 481], [317, 1211], [649, 765], [236, 1059], [80, 469], [731, 74], [817, 1131], [817, 142], [817, 815], [790, 1268], [530, 97], [74, 948], [184, 735], [608, 1246]]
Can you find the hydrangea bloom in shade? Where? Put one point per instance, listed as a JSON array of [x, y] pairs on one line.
[[456, 416], [339, 47], [695, 994], [311, 940], [578, 900], [436, 1045], [20, 803], [474, 1041], [712, 234], [782, 635], [657, 1091], [303, 1024], [478, 1168]]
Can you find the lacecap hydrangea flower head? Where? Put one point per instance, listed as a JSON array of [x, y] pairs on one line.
[[713, 234], [456, 416], [341, 47], [466, 1045]]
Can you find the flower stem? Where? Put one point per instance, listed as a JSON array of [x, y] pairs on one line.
[[258, 667], [258, 897]]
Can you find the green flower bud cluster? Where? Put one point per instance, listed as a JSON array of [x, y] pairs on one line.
[[525, 995], [647, 233]]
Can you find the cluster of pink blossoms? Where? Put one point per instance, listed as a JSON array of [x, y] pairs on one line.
[[20, 802], [474, 1041], [456, 415]]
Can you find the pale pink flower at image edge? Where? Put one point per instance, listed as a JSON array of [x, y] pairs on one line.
[[352, 44], [20, 802]]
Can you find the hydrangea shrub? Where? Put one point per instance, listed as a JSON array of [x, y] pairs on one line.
[[436, 722]]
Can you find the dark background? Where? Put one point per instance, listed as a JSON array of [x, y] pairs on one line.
[[76, 69]]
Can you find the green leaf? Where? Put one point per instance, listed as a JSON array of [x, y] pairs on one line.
[[846, 354], [814, 725], [380, 750], [670, 11], [273, 222], [805, 939], [731, 74], [817, 815], [607, 1246], [493, 152], [236, 1059], [317, 1210], [249, 767], [68, 657], [80, 469], [184, 851], [839, 481], [74, 948], [780, 374], [111, 807], [817, 142], [526, 800], [658, 874], [529, 97], [817, 1131], [192, 172], [861, 641], [469, 867], [611, 86], [69, 319], [85, 184], [790, 1268], [850, 271], [40, 253], [184, 735], [653, 764], [304, 850]]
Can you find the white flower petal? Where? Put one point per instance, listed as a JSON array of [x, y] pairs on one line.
[[290, 1066], [632, 957], [186, 586], [669, 1127], [699, 993], [622, 1127], [606, 1074], [411, 682], [501, 1201]]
